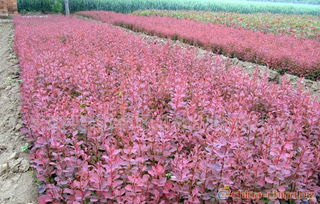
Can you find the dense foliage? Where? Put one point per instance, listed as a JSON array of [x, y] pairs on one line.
[[126, 6], [44, 6], [285, 53], [291, 1], [302, 26], [113, 118]]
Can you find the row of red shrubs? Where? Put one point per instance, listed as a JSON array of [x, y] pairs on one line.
[[284, 53], [112, 118]]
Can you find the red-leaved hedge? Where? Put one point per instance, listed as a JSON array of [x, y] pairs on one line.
[[285, 53], [112, 118]]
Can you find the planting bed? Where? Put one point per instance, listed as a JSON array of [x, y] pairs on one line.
[[252, 69], [284, 53], [113, 118], [301, 26]]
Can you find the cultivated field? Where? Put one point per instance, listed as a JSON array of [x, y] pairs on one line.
[[284, 53], [114, 118], [301, 26], [150, 107]]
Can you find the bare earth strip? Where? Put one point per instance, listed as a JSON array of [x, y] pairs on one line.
[[274, 77], [16, 179]]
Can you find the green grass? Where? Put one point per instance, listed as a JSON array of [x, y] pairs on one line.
[[127, 6], [293, 1]]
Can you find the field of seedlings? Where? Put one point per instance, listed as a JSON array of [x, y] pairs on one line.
[[148, 107], [284, 53], [113, 118], [302, 26]]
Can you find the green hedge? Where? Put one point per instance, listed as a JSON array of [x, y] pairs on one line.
[[45, 6], [317, 2], [127, 6]]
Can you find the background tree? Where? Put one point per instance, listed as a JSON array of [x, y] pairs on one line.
[[66, 7]]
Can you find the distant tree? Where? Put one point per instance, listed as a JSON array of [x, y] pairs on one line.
[[66, 7], [57, 6]]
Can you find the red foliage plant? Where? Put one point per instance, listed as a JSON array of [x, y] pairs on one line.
[[285, 53], [113, 118]]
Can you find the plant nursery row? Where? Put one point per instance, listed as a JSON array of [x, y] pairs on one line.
[[112, 118], [301, 26], [284, 53]]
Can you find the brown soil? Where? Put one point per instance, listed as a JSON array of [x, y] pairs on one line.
[[16, 178]]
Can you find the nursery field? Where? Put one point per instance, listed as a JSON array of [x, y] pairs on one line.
[[302, 26], [283, 53], [127, 6], [113, 118]]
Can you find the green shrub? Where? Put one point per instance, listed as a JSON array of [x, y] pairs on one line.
[[57, 6]]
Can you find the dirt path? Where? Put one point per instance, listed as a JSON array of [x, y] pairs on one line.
[[274, 77], [16, 179]]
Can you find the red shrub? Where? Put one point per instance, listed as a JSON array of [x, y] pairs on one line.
[[112, 118], [296, 56]]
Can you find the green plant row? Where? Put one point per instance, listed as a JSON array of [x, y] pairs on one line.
[[126, 6], [292, 1]]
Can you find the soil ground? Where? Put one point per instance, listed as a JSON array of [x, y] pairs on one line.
[[16, 179]]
